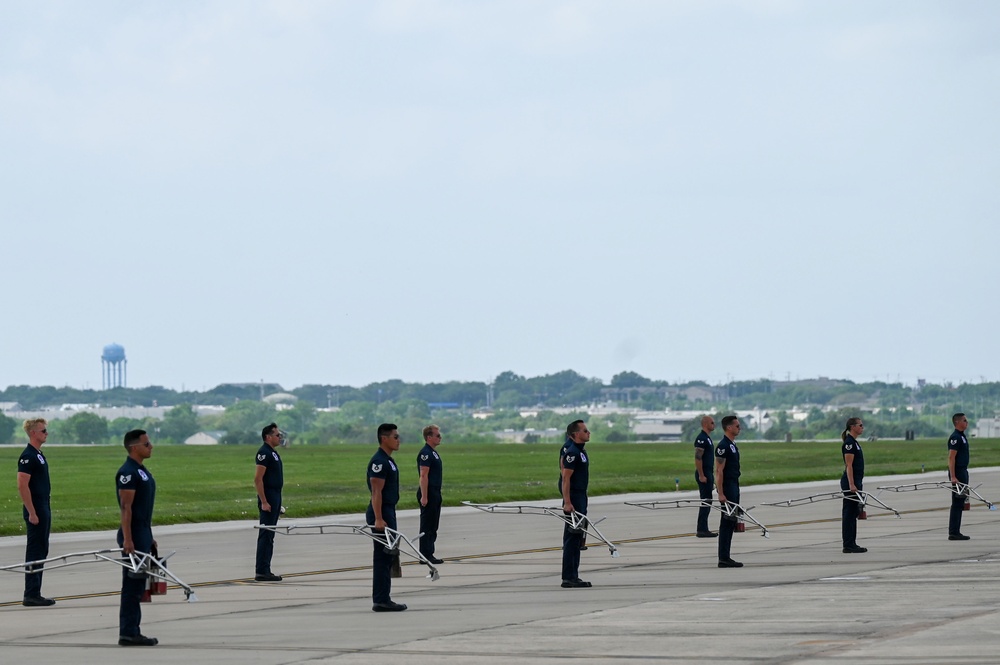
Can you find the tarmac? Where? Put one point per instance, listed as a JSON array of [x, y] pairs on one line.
[[914, 597]]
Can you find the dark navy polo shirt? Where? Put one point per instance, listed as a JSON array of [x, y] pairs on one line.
[[134, 476], [727, 450], [562, 456], [382, 466], [961, 444], [704, 441], [33, 463], [576, 459], [852, 447], [268, 458], [428, 457]]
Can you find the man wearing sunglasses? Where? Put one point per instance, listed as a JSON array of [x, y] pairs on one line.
[[383, 483], [575, 472], [958, 472], [268, 480], [33, 486], [136, 491], [429, 491], [727, 483]]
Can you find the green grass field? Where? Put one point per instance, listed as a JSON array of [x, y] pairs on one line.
[[213, 483]]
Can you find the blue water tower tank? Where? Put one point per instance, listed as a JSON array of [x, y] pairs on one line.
[[113, 353], [113, 366]]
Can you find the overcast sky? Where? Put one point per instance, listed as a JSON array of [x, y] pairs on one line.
[[349, 192]]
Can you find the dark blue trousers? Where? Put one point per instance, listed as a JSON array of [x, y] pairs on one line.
[[382, 559], [572, 542], [37, 546], [957, 503], [430, 519], [727, 526], [265, 537], [849, 513], [705, 494], [849, 522], [129, 612]]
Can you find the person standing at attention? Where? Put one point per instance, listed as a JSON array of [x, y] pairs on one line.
[[383, 483], [136, 491], [704, 473], [958, 472], [429, 491], [851, 483], [727, 480], [575, 479], [33, 486], [268, 481]]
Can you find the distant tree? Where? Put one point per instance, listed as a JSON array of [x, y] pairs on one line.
[[559, 389], [179, 423], [7, 428], [507, 378], [402, 410], [324, 395], [229, 393], [86, 427], [584, 392], [779, 429], [508, 399], [652, 401], [118, 427], [618, 436], [247, 416], [300, 418], [516, 389], [629, 380], [358, 412]]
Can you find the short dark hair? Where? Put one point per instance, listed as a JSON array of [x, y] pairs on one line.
[[269, 429], [955, 418], [573, 427], [132, 437], [729, 420], [383, 430]]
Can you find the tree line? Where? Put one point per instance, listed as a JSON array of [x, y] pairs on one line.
[[891, 408], [355, 422], [566, 388]]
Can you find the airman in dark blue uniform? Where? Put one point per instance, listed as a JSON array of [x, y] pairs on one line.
[[136, 492], [850, 483], [704, 473], [958, 472], [268, 481], [383, 483], [575, 475], [34, 488], [727, 480], [429, 491]]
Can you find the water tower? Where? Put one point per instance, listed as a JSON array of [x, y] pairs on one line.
[[114, 365]]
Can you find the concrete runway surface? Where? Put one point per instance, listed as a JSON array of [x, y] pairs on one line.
[[914, 597]]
